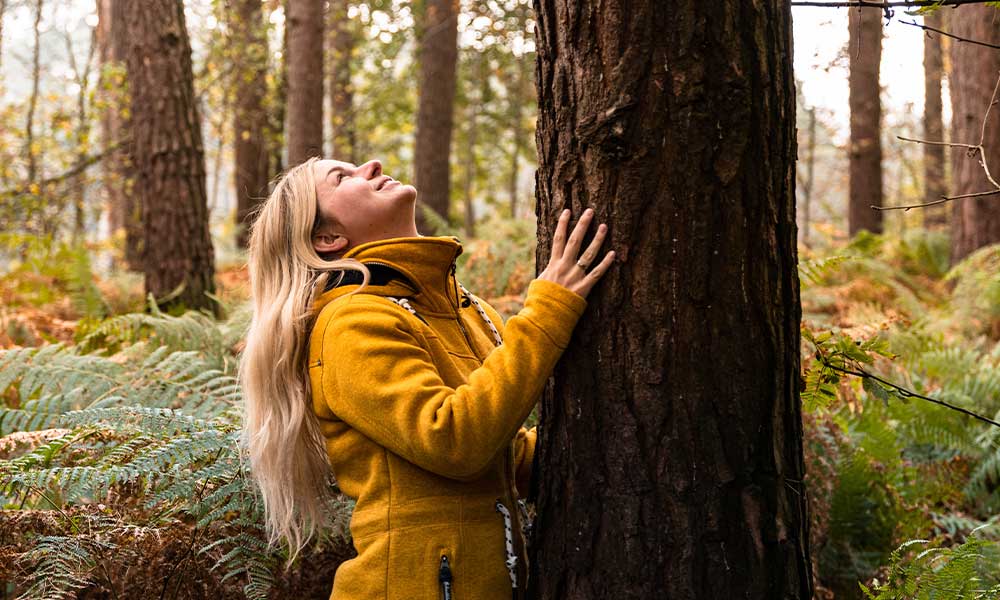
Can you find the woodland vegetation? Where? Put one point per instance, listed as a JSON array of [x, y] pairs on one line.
[[806, 315]]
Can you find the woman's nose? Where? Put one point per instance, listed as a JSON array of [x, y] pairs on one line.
[[372, 168]]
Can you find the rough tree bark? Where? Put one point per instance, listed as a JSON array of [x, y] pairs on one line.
[[935, 217], [342, 41], [168, 155], [438, 53], [975, 222], [671, 448], [865, 49], [305, 79], [249, 117]]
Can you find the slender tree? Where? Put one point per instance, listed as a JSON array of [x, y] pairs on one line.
[[515, 99], [305, 79], [975, 222], [670, 460], [168, 154], [249, 117], [342, 40], [935, 217], [3, 9], [30, 154], [81, 133], [865, 49], [124, 207], [810, 177], [438, 53], [275, 131]]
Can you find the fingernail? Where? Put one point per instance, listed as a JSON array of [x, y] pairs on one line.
[[566, 211], [590, 211]]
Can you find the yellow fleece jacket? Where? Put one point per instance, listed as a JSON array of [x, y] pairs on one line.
[[422, 417]]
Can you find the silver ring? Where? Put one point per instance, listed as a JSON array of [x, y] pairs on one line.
[[581, 265]]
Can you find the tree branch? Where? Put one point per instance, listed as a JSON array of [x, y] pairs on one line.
[[75, 170], [905, 393], [971, 150], [885, 5], [951, 35]]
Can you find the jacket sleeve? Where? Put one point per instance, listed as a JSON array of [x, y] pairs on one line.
[[524, 454], [379, 379]]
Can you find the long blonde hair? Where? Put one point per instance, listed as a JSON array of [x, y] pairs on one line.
[[281, 434]]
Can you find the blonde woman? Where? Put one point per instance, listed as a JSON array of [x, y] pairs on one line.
[[368, 357]]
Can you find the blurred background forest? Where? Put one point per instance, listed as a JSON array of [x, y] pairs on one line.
[[136, 138]]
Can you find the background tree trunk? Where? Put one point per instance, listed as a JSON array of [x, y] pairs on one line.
[[671, 452], [516, 97], [975, 221], [276, 127], [29, 126], [249, 117], [807, 187], [865, 48], [168, 155], [124, 207], [438, 53], [305, 79], [342, 41], [935, 217], [3, 9]]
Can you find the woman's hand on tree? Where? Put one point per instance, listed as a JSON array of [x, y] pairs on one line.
[[564, 267]]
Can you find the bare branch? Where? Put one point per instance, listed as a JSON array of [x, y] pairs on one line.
[[932, 143], [951, 35], [73, 171], [885, 5], [971, 150]]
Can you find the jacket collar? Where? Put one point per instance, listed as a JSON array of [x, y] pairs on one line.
[[424, 265]]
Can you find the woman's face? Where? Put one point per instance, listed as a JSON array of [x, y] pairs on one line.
[[359, 204]]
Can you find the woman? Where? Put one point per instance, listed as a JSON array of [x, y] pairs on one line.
[[365, 355]]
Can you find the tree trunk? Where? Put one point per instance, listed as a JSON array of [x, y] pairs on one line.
[[516, 97], [438, 53], [124, 207], [77, 184], [3, 9], [935, 217], [807, 191], [974, 71], [30, 156], [342, 40], [250, 43], [670, 460], [865, 48], [168, 155], [305, 79], [276, 129]]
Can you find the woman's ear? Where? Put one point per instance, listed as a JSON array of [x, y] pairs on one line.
[[329, 243]]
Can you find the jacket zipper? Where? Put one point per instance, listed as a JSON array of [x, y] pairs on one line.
[[445, 578]]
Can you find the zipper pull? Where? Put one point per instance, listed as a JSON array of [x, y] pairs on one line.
[[444, 576]]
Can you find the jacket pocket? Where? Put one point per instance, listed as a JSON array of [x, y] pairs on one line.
[[445, 578]]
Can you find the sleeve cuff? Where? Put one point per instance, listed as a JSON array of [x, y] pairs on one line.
[[554, 309]]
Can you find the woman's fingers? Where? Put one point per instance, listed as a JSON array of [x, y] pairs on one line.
[[597, 272], [595, 246], [559, 239], [573, 245]]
